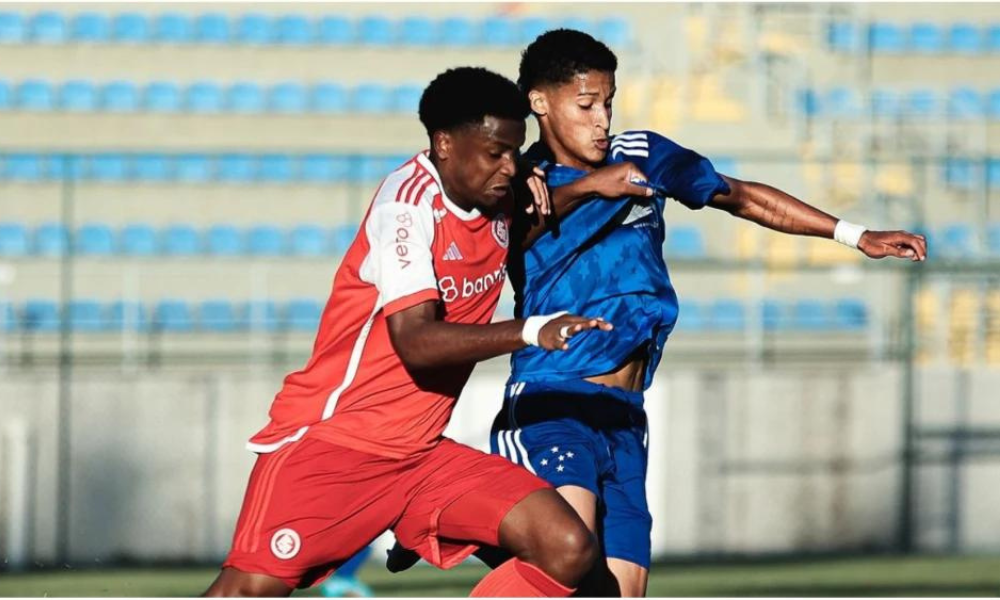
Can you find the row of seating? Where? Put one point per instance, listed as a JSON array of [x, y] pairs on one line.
[[206, 97], [920, 38], [731, 315], [290, 29], [849, 103], [969, 174]]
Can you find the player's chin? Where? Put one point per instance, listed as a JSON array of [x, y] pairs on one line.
[[495, 196]]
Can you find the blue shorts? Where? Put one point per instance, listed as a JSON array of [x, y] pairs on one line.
[[588, 435]]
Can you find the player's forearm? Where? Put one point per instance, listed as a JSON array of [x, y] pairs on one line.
[[565, 199], [439, 344], [774, 209]]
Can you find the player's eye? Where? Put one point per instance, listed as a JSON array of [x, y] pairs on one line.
[[586, 106]]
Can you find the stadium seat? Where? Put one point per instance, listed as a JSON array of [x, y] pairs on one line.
[[727, 315], [51, 239], [499, 31], [323, 168], [578, 24], [162, 97], [277, 168], [926, 38], [24, 167], [90, 27], [86, 316], [258, 315], [303, 315], [459, 32], [993, 173], [965, 38], [225, 240], [418, 31], [371, 98], [293, 30], [173, 316], [237, 168], [843, 37], [288, 98], [266, 240], [245, 98], [8, 317], [35, 95], [614, 32], [14, 240], [204, 97], [369, 168], [329, 98], [376, 31], [120, 96], [810, 315], [691, 316], [130, 28], [841, 103], [850, 314], [218, 316], [957, 241], [886, 38], [684, 241], [12, 28], [342, 236], [41, 316], [95, 239], [194, 168], [993, 39], [306, 240], [961, 173], [253, 29], [772, 314], [965, 103], [335, 31], [181, 240], [5, 95], [127, 316], [923, 103], [139, 239], [77, 96], [725, 165], [406, 99], [47, 28], [212, 28], [885, 103], [808, 102], [993, 239], [173, 28], [532, 27], [151, 168], [107, 167], [993, 104]]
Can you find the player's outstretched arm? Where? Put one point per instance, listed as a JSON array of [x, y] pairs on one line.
[[774, 209], [423, 341]]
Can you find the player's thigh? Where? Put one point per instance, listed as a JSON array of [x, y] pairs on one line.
[[626, 522], [583, 501], [631, 578]]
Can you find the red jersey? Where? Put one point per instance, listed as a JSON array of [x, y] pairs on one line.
[[414, 245]]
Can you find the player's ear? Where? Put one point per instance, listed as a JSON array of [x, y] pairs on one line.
[[539, 103], [442, 144]]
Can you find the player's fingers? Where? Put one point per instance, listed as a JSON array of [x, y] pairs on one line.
[[540, 193]]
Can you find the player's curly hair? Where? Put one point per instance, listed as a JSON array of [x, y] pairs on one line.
[[466, 95], [558, 55]]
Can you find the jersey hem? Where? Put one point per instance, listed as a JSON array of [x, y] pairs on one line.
[[409, 301]]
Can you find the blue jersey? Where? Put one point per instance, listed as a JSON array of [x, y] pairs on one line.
[[605, 259]]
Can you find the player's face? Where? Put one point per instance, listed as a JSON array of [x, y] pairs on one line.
[[575, 118], [484, 161]]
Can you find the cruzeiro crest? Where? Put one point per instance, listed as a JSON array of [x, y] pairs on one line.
[[500, 232]]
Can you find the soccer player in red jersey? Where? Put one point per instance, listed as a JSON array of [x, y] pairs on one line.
[[354, 446]]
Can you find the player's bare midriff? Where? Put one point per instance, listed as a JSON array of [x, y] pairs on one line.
[[629, 376]]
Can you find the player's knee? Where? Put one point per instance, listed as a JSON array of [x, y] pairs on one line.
[[570, 553]]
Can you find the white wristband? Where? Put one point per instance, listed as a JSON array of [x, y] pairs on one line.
[[848, 234], [533, 325]]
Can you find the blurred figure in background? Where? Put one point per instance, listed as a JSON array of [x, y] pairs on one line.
[[344, 583]]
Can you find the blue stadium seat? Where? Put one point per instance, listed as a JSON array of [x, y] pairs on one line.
[[929, 236], [334, 30], [253, 29], [808, 102], [330, 98], [843, 36], [810, 315], [204, 97], [886, 38], [303, 314], [24, 167], [35, 94], [371, 98], [41, 316], [237, 168], [993, 38], [406, 99], [8, 317], [323, 168], [107, 167], [219, 316], [725, 165], [961, 173], [772, 313], [993, 104], [78, 96], [726, 314], [684, 241], [95, 239], [86, 315], [277, 168], [965, 38], [459, 32], [850, 314], [194, 168], [90, 27], [957, 241], [173, 316], [5, 95], [691, 316], [288, 98], [266, 240], [926, 38], [923, 103], [841, 102], [127, 316], [293, 30], [418, 31], [162, 97], [225, 240], [993, 239], [259, 315], [993, 173], [499, 31], [51, 239], [306, 240], [173, 28], [369, 168], [139, 239], [47, 28], [341, 238], [246, 97], [120, 96], [151, 168], [181, 240], [614, 32], [212, 28], [376, 31], [12, 28], [531, 27], [965, 103], [14, 240], [885, 103], [130, 28]]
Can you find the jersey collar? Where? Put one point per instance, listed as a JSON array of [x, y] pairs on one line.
[[465, 215]]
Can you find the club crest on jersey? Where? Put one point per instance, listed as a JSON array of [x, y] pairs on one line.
[[285, 543], [500, 233]]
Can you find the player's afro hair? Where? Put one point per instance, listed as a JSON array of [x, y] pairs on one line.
[[466, 95], [556, 56]]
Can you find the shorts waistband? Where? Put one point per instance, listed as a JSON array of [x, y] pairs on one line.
[[580, 387]]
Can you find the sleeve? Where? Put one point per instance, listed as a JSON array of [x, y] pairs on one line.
[[683, 174], [402, 264]]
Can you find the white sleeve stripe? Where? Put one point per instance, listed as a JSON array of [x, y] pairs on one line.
[[631, 135], [630, 144]]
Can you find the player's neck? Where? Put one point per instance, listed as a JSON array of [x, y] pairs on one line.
[[448, 189]]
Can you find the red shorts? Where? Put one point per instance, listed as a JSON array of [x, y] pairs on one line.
[[312, 505]]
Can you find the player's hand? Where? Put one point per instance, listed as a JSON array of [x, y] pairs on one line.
[[900, 244], [556, 333], [615, 181], [535, 180]]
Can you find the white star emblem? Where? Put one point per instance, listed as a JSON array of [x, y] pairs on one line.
[[569, 455], [561, 458], [555, 449], [559, 468], [545, 461]]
